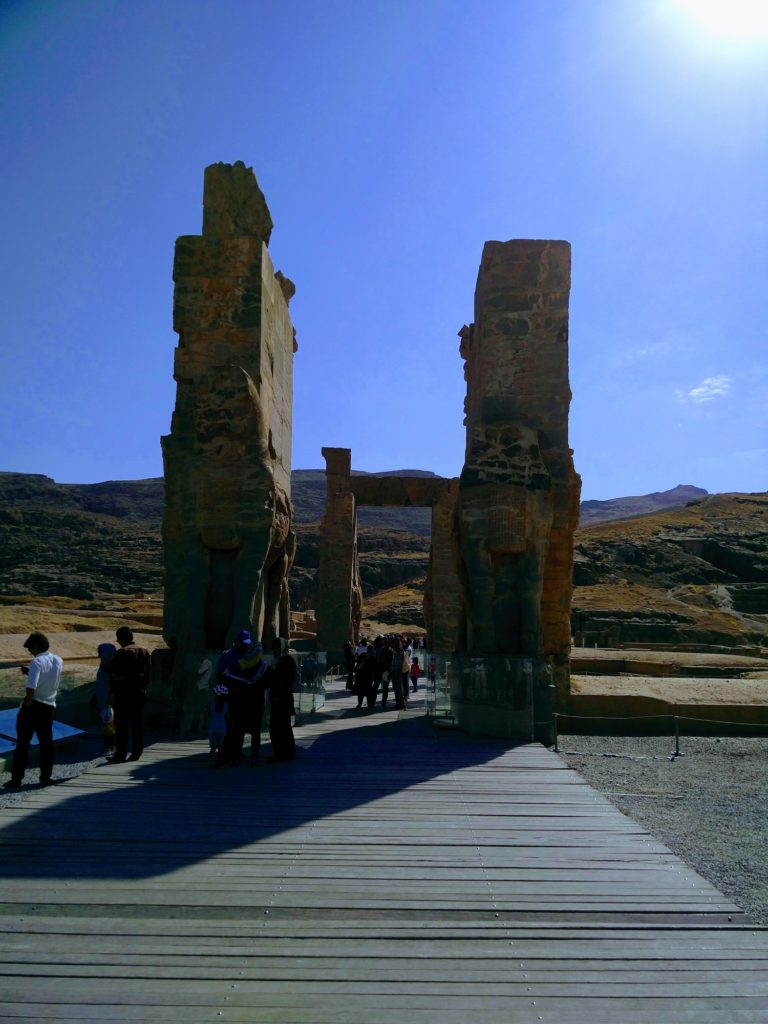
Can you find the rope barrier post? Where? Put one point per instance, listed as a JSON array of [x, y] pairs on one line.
[[557, 738], [677, 736]]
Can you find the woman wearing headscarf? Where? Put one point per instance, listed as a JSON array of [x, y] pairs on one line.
[[100, 699]]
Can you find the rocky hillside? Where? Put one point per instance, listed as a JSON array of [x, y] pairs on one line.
[[76, 540], [676, 575], [697, 574]]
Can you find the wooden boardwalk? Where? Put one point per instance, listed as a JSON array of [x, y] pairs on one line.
[[389, 874]]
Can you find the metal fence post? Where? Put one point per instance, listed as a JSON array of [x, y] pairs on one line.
[[557, 738]]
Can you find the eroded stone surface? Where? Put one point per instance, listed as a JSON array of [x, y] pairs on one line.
[[227, 528], [518, 495], [339, 594]]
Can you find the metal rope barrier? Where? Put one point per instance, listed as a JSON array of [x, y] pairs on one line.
[[636, 718]]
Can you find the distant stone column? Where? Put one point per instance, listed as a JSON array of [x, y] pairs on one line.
[[443, 593], [518, 492], [339, 596], [227, 527]]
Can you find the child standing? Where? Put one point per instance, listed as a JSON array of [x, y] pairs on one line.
[[217, 725], [101, 696], [415, 672]]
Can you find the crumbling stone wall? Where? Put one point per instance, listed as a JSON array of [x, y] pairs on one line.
[[518, 492], [227, 527]]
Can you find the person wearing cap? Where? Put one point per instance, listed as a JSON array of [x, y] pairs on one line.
[[241, 669], [35, 717], [129, 673]]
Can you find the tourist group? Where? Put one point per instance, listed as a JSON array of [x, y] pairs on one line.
[[244, 677], [371, 667]]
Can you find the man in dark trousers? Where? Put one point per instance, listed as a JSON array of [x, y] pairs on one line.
[[129, 677], [35, 716]]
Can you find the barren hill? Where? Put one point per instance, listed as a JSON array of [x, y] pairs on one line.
[[692, 574], [697, 574]]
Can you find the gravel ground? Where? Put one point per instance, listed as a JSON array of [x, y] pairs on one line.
[[708, 806], [70, 759]]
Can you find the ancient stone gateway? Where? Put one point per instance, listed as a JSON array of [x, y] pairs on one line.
[[339, 595], [499, 589], [227, 527]]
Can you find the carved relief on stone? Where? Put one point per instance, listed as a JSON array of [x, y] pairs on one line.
[[227, 528], [516, 513]]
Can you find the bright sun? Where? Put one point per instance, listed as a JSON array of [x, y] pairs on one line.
[[734, 20]]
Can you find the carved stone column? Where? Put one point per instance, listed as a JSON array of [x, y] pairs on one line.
[[227, 527], [339, 595], [518, 492]]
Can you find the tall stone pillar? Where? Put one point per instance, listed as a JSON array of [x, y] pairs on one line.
[[339, 595], [442, 593], [518, 491], [227, 526]]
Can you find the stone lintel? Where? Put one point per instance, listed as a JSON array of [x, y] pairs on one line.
[[399, 491]]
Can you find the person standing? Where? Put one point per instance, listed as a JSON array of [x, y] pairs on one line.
[[129, 673], [243, 670], [349, 664], [101, 695], [415, 672], [383, 654], [35, 717], [396, 672], [281, 707]]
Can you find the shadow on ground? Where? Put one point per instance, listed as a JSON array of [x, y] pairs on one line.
[[174, 812]]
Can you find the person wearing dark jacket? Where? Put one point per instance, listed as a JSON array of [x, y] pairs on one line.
[[281, 681], [349, 664], [129, 672], [244, 672], [365, 674]]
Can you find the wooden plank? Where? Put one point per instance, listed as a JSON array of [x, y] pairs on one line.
[[384, 873]]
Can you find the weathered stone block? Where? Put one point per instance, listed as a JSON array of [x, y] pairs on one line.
[[233, 203]]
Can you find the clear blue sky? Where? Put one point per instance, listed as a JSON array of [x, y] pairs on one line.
[[391, 140]]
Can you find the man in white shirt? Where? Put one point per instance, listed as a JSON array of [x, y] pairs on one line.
[[36, 713]]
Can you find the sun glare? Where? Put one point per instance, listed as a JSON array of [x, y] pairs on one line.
[[744, 21]]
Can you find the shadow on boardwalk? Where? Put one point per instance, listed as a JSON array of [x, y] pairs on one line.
[[171, 811]]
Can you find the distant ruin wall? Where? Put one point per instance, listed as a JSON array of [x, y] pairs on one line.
[[227, 527]]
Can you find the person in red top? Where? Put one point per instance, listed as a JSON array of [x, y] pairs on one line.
[[415, 672]]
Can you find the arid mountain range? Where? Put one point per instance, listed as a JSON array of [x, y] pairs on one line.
[[686, 567]]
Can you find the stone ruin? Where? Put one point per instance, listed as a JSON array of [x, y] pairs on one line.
[[518, 500], [498, 593], [499, 587], [227, 529]]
